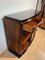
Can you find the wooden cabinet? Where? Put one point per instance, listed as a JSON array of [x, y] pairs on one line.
[[19, 33], [17, 39]]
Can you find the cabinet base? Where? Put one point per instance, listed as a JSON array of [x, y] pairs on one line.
[[16, 54]]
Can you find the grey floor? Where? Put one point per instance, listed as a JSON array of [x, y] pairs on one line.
[[36, 50]]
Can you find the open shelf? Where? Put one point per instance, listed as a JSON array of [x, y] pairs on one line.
[[25, 36], [29, 26], [32, 23], [25, 45]]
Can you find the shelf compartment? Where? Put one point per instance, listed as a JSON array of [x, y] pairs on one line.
[[25, 45], [25, 36], [29, 26]]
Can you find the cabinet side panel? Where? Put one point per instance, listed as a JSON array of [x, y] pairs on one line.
[[12, 31]]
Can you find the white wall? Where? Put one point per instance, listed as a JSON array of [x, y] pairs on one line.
[[3, 45], [9, 7], [39, 6]]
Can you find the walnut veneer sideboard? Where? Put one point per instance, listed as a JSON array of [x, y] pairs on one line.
[[19, 31]]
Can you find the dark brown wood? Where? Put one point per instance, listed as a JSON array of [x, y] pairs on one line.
[[43, 24], [43, 9], [43, 15], [14, 36], [17, 39], [12, 29], [19, 35]]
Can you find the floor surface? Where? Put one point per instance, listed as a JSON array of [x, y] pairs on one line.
[[36, 50]]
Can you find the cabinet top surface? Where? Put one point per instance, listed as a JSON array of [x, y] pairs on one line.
[[22, 15]]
